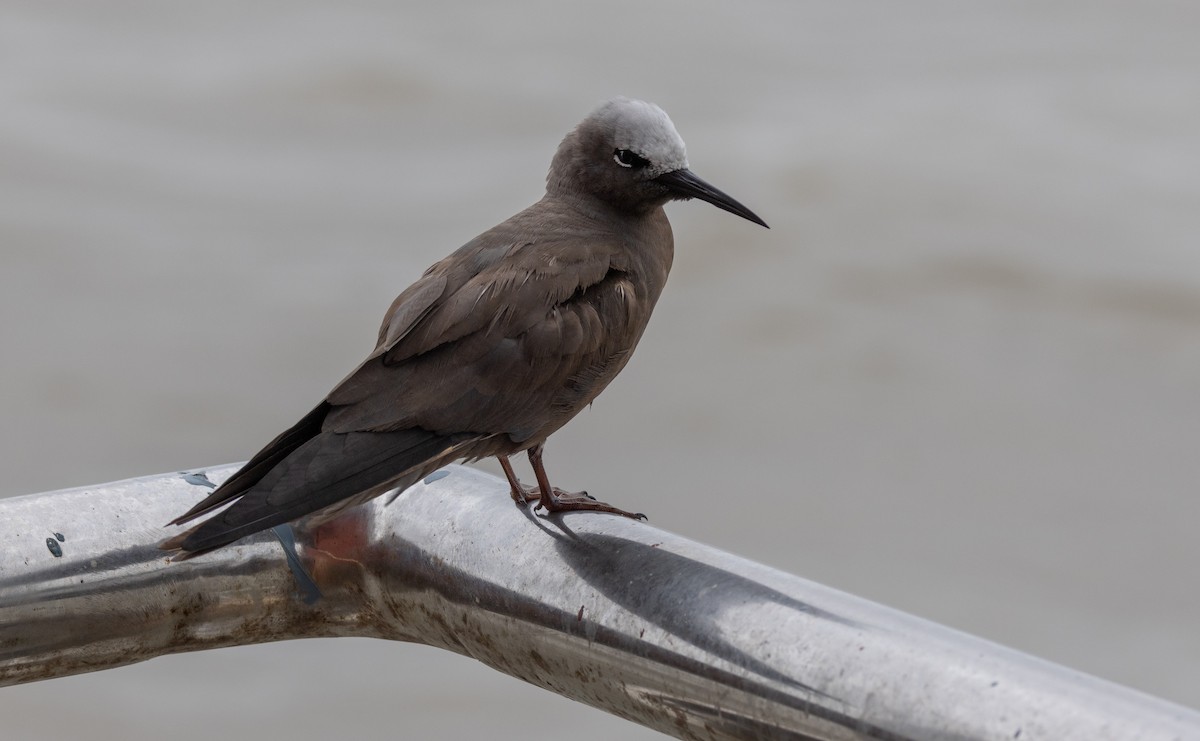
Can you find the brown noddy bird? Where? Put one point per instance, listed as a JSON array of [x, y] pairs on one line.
[[496, 347]]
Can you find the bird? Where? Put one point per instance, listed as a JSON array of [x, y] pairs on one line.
[[494, 348]]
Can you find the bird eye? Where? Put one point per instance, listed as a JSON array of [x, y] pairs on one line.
[[626, 158]]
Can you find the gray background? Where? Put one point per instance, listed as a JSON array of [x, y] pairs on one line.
[[959, 376]]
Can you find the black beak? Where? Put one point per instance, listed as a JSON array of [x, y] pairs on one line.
[[683, 183]]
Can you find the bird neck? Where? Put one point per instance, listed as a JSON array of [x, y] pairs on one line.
[[598, 211]]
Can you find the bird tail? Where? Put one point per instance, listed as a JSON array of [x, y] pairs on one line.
[[258, 466], [321, 471]]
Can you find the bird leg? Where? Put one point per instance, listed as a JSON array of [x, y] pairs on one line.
[[521, 493], [557, 500]]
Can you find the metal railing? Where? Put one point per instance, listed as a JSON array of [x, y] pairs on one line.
[[653, 627]]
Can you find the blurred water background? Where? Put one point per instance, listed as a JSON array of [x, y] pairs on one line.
[[959, 376]]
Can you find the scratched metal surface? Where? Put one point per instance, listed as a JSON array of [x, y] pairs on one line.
[[958, 376], [657, 629]]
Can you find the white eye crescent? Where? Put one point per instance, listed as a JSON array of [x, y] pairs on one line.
[[627, 158]]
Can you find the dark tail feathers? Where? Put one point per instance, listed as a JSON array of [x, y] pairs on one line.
[[290, 479]]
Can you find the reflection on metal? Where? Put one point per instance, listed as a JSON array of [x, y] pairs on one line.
[[612, 612]]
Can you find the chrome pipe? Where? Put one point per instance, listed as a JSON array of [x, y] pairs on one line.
[[615, 613]]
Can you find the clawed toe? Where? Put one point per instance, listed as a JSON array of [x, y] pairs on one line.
[[582, 502], [564, 501], [525, 495], [558, 498]]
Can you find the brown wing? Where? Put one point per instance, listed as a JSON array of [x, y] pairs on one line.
[[487, 340]]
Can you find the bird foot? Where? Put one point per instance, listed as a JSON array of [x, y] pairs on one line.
[[523, 494], [562, 501], [528, 494], [559, 500]]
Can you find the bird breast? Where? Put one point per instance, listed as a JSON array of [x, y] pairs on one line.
[[580, 346]]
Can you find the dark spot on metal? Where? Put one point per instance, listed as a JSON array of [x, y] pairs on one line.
[[54, 547], [1017, 734], [539, 660], [579, 617], [61, 538], [198, 478], [436, 476]]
